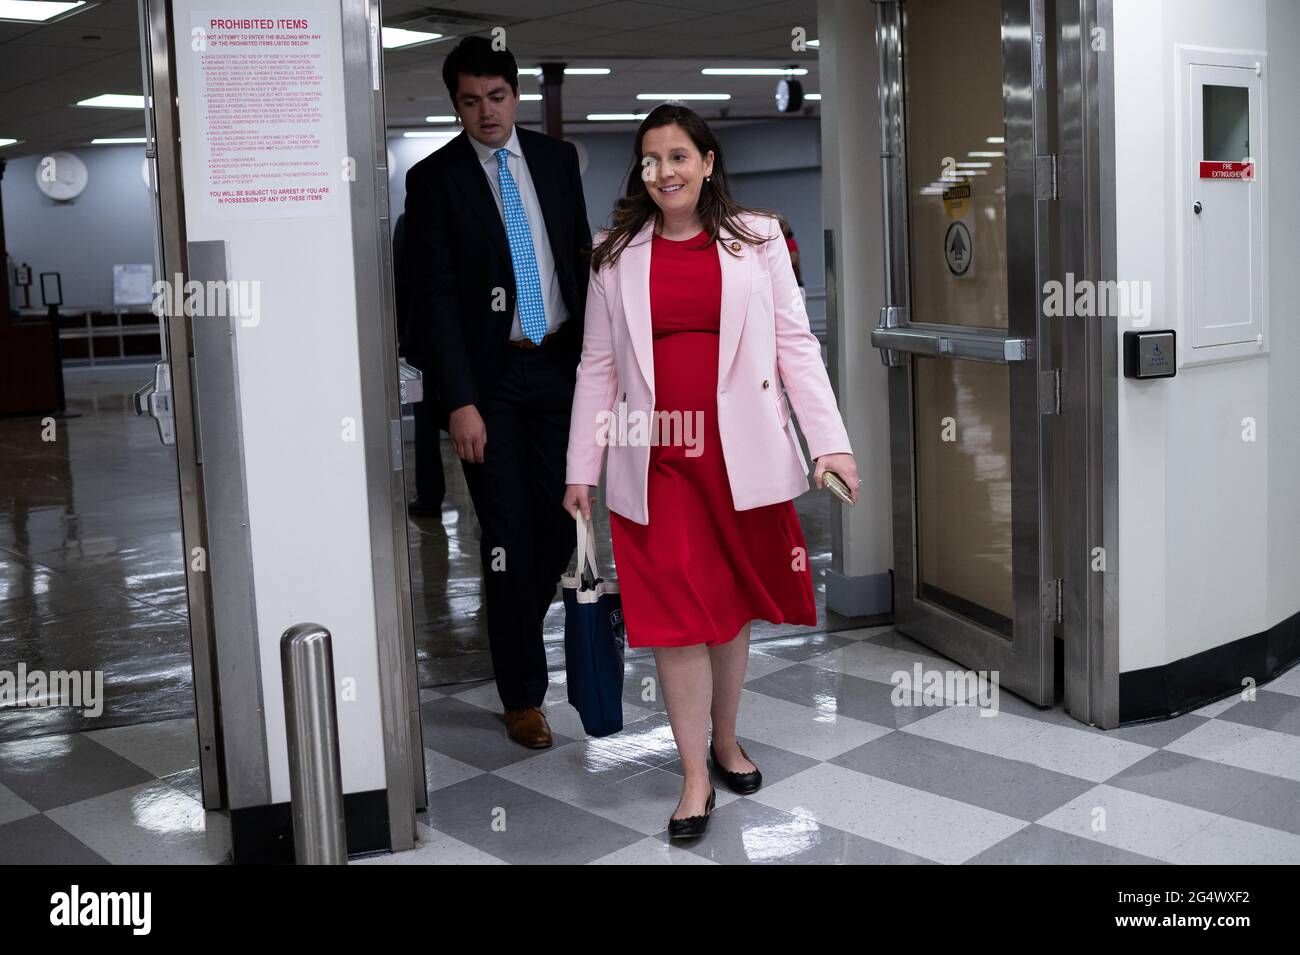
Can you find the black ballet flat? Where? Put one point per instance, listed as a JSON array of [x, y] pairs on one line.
[[692, 827], [742, 783]]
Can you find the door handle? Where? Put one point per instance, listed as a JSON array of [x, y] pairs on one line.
[[891, 317], [410, 382], [154, 400], [968, 346]]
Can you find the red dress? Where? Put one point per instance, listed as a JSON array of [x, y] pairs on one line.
[[700, 570]]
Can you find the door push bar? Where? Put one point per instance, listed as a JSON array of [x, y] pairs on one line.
[[893, 336]]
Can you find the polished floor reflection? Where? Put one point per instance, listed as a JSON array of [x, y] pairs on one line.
[[90, 557], [91, 575], [850, 776], [90, 578]]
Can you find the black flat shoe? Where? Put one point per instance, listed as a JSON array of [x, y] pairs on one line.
[[692, 827], [743, 783]]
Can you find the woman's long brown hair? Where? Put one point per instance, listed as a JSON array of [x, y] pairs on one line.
[[716, 208]]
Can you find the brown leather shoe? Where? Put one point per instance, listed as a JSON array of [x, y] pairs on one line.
[[528, 727]]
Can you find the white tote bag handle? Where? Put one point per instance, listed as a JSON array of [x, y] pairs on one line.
[[586, 547]]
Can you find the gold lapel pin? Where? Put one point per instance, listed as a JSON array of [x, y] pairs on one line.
[[735, 247]]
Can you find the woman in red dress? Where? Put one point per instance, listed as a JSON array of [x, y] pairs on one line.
[[699, 570]]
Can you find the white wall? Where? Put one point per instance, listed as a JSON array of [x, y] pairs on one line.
[[1208, 522], [111, 223]]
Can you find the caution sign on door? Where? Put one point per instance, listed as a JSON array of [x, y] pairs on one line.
[[956, 199]]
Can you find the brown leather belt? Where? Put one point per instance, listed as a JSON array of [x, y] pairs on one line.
[[527, 343]]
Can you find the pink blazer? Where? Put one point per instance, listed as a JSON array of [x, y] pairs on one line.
[[767, 359]]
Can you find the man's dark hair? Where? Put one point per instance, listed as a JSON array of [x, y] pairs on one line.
[[474, 56]]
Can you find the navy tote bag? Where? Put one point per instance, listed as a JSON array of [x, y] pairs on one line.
[[594, 638]]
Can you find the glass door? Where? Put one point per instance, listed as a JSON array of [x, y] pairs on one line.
[[968, 182]]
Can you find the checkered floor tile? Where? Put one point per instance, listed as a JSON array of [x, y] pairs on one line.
[[849, 776]]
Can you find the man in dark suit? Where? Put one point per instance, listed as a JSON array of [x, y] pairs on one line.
[[499, 247]]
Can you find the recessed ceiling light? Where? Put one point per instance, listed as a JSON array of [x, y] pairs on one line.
[[815, 44], [615, 117], [117, 141], [568, 71], [984, 154], [115, 101], [684, 96], [31, 11], [996, 139], [974, 165], [7, 142], [812, 96], [530, 97], [394, 38], [753, 71], [440, 119]]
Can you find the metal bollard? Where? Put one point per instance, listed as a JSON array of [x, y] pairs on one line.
[[311, 722]]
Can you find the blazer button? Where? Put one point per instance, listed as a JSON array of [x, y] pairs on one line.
[[735, 247], [765, 384]]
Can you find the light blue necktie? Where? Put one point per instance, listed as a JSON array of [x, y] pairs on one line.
[[528, 284]]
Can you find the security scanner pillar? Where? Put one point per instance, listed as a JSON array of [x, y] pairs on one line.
[[266, 135]]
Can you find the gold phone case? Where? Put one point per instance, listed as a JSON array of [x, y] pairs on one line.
[[835, 484]]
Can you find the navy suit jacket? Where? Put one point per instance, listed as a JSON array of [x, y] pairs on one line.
[[457, 255]]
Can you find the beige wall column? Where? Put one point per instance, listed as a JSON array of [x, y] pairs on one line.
[[859, 582]]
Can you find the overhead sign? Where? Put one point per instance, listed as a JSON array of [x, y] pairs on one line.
[[1228, 170]]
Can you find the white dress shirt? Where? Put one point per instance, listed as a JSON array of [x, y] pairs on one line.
[[552, 300]]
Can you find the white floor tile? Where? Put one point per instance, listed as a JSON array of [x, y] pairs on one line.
[[441, 771], [1211, 710], [147, 824], [816, 733], [1127, 820], [1247, 747], [1288, 682], [171, 746], [641, 801], [873, 661], [560, 713], [761, 664], [1061, 749], [433, 848], [863, 633], [651, 851], [1228, 841], [922, 823]]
